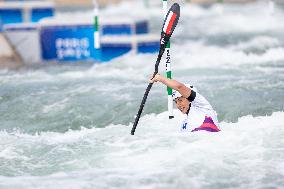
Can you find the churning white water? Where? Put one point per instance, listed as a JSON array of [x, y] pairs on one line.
[[68, 126]]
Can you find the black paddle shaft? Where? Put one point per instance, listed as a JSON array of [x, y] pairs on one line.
[[169, 25], [162, 49]]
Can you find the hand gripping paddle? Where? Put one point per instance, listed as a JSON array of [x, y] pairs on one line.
[[169, 25]]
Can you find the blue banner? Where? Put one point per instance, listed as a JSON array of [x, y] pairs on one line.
[[68, 43]]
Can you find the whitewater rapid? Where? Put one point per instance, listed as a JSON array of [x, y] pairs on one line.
[[158, 156], [68, 126]]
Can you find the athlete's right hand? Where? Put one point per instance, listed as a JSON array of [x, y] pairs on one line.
[[155, 79]]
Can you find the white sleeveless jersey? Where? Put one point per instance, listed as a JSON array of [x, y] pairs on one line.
[[201, 116]]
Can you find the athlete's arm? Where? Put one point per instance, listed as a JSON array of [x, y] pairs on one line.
[[176, 85]]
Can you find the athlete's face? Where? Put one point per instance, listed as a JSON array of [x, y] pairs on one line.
[[182, 104]]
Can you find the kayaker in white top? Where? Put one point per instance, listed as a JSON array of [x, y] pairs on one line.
[[200, 114]]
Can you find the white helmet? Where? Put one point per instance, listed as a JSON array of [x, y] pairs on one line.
[[176, 94]]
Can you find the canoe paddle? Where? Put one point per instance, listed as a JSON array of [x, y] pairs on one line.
[[169, 25]]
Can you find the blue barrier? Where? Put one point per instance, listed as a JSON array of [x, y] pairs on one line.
[[111, 29], [114, 50], [148, 47], [19, 12], [75, 42], [140, 27], [11, 16], [111, 51], [39, 13]]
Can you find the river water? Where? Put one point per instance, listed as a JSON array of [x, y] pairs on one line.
[[68, 126]]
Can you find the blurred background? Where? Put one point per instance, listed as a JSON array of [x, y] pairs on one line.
[[41, 24]]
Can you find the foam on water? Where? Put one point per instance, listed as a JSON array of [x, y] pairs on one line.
[[233, 19], [262, 42], [230, 57], [158, 156]]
